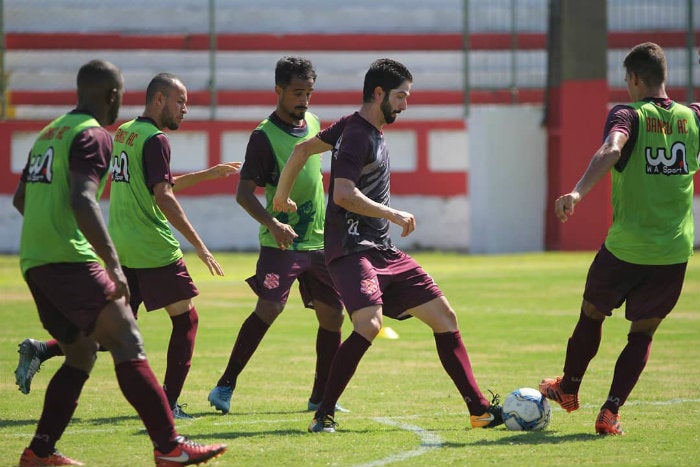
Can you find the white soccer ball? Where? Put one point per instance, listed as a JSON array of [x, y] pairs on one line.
[[526, 409]]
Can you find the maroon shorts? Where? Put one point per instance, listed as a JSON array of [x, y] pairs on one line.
[[382, 277], [649, 291], [69, 297], [277, 269], [159, 287]]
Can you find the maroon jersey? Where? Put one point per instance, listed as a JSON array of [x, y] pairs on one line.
[[360, 155]]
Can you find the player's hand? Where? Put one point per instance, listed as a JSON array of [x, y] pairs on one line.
[[284, 234], [208, 259], [405, 220], [225, 169], [283, 204], [121, 286], [564, 205]]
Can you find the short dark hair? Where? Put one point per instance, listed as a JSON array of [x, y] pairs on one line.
[[386, 73], [97, 77], [288, 68], [162, 82], [647, 60]]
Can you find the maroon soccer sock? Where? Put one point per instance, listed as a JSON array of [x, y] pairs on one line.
[[580, 350], [140, 387], [49, 349], [60, 401], [249, 337], [180, 352], [455, 360], [344, 365], [628, 369], [327, 344]]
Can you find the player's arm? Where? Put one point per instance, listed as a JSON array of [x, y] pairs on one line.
[[223, 170], [166, 201], [245, 197], [601, 163], [347, 196], [18, 198], [295, 163], [83, 202]]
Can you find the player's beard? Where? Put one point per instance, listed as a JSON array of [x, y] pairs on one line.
[[113, 112], [167, 120], [387, 111], [297, 114]]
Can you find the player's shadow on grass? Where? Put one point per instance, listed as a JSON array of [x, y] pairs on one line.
[[6, 423], [229, 434], [201, 415], [242, 413], [534, 438], [300, 432]]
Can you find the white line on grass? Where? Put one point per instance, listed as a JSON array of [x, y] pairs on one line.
[[636, 403], [428, 441]]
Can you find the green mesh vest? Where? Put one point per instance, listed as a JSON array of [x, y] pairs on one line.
[[138, 227], [50, 233], [307, 192], [652, 197]]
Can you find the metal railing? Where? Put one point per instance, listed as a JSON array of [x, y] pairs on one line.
[[502, 56]]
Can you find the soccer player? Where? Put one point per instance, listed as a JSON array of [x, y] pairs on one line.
[[651, 149], [142, 202], [291, 245], [80, 302], [32, 353], [373, 276]]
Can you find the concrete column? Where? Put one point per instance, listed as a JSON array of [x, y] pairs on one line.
[[577, 104]]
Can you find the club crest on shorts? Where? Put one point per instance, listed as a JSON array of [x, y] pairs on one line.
[[369, 286], [272, 280]]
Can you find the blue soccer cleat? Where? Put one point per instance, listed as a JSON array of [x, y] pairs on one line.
[[220, 398]]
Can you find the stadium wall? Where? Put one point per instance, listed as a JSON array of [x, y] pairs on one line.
[[429, 178], [470, 190]]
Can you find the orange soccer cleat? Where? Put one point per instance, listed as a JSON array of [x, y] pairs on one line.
[[608, 423], [550, 388]]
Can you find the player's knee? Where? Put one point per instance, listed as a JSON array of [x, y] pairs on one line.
[[81, 354], [368, 329], [268, 311], [446, 321], [645, 326], [590, 311], [332, 320]]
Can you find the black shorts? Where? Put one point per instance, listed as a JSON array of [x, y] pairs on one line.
[[650, 291]]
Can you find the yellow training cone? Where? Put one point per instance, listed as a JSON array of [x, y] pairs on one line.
[[387, 333]]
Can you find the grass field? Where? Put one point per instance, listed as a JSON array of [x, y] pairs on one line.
[[516, 313]]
